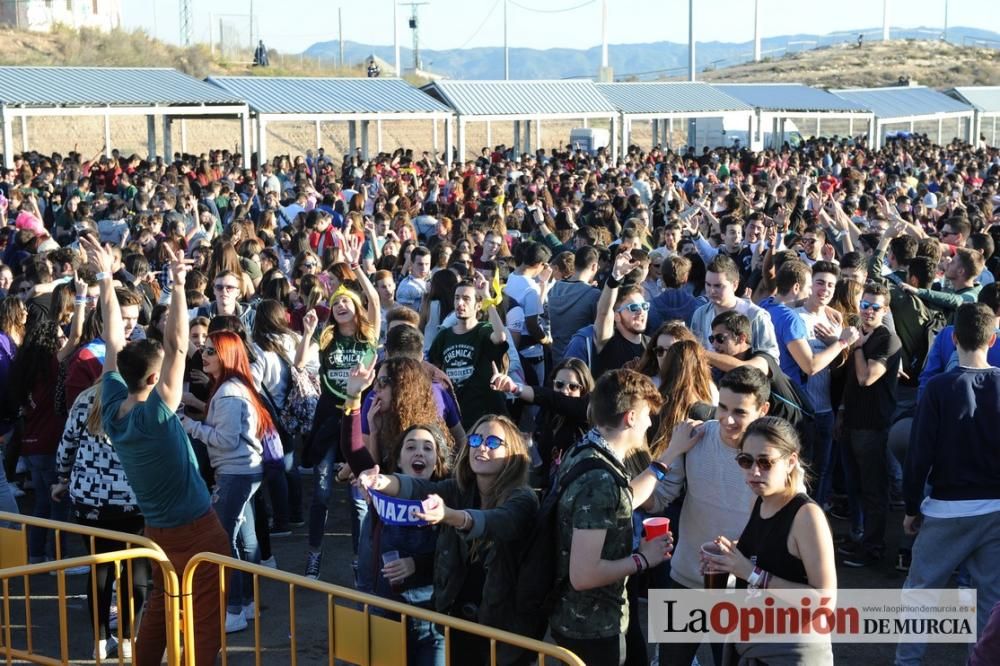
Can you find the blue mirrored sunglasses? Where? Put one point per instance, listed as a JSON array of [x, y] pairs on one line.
[[492, 441], [868, 304]]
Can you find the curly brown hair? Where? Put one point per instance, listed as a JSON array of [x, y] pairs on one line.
[[413, 404]]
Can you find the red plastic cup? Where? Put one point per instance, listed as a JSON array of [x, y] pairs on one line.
[[655, 527]]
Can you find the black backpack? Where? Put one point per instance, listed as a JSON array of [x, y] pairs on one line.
[[537, 587]]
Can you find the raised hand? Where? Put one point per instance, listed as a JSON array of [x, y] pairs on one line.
[[502, 382], [98, 257], [309, 323], [623, 265]]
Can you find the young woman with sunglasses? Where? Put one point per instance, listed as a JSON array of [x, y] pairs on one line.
[[485, 512], [564, 420], [421, 450], [787, 541], [651, 362]]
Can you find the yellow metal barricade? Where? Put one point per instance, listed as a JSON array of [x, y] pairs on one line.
[[354, 634], [14, 565]]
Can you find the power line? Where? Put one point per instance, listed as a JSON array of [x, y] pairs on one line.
[[481, 25], [551, 11]]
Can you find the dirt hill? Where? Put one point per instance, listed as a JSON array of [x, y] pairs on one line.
[[935, 64], [120, 48]]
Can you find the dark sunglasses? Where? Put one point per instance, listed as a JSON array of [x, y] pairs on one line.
[[660, 351], [208, 351], [866, 305], [309, 264], [383, 381], [634, 308], [718, 339], [492, 441], [572, 386], [746, 461]]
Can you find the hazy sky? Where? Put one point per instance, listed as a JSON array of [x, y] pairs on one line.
[[293, 25]]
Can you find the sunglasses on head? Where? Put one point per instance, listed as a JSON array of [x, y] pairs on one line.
[[634, 308], [868, 305], [561, 385], [492, 442], [746, 461]]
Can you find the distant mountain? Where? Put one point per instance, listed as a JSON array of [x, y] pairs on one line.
[[632, 61]]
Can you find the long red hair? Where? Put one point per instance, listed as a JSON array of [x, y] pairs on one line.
[[232, 355]]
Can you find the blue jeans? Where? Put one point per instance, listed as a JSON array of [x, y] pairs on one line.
[[43, 475], [941, 545], [324, 474], [232, 498], [8, 502], [822, 462]]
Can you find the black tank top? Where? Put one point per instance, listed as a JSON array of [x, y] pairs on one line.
[[765, 542]]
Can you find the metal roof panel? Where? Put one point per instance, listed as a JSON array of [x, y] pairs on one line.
[[669, 97], [789, 97], [100, 86], [521, 98], [984, 98], [903, 102], [328, 95]]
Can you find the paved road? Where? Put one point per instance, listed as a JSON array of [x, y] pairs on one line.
[[311, 608]]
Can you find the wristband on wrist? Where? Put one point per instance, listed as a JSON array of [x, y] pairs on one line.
[[638, 562], [103, 275], [659, 470], [80, 301], [645, 560], [612, 282]]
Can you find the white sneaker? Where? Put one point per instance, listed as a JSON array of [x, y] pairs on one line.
[[235, 622], [125, 649], [106, 648], [248, 611], [270, 563]]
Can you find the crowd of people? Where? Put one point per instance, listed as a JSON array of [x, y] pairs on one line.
[[538, 347]]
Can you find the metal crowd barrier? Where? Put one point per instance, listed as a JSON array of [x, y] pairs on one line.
[[14, 565], [354, 634]]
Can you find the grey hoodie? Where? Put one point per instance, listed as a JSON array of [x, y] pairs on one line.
[[229, 431]]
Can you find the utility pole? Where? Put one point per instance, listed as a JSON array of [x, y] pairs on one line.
[[340, 33], [253, 44], [946, 20], [187, 22], [756, 30], [885, 20], [691, 67], [395, 34], [605, 75], [415, 27], [506, 49]]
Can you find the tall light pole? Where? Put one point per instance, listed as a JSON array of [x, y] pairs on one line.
[[756, 30], [946, 20], [395, 34], [506, 48], [604, 74], [885, 20], [691, 67]]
